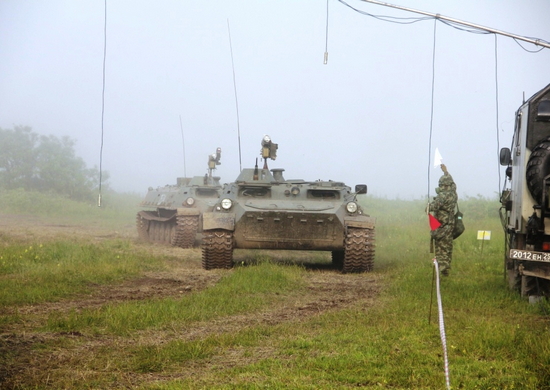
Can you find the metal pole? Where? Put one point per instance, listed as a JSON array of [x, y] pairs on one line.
[[431, 296], [183, 144], [536, 42]]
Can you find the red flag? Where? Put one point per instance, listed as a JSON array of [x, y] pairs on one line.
[[434, 223]]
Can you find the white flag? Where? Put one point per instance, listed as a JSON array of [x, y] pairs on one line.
[[438, 160]]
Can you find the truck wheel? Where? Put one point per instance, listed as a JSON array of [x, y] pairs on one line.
[[186, 231], [513, 276], [359, 250], [538, 167], [217, 249], [529, 286]]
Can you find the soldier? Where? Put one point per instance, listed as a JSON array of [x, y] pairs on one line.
[[444, 206]]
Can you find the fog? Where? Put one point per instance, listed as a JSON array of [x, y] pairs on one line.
[[364, 117]]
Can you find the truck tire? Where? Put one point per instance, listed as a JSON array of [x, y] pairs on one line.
[[538, 167], [513, 276], [529, 286]]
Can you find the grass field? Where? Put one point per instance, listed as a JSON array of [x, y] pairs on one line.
[[85, 308]]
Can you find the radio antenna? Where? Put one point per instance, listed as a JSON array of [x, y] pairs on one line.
[[236, 100], [183, 144], [102, 106]]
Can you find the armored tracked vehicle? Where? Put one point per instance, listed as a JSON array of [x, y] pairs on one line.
[[525, 210], [174, 211], [262, 210]]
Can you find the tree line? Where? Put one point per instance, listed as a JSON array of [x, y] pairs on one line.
[[45, 163]]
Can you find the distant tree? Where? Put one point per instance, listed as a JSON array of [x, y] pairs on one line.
[[17, 157], [45, 163]]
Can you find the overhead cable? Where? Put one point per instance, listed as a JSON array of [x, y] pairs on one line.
[[455, 23]]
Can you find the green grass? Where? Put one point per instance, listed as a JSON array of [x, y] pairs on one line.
[[495, 339], [244, 290], [49, 271]]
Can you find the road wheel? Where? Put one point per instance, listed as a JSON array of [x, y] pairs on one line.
[[166, 232], [158, 231], [217, 249], [153, 231], [172, 232]]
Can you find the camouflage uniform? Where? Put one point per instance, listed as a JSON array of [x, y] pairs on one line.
[[443, 206]]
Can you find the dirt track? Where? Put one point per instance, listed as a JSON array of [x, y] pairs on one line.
[[327, 290]]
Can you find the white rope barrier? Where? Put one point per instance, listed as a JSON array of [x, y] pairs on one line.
[[442, 326]]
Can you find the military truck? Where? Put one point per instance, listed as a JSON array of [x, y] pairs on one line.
[[262, 210], [173, 215], [525, 210]]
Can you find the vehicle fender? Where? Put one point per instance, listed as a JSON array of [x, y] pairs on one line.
[[149, 216], [360, 221], [224, 221], [190, 211]]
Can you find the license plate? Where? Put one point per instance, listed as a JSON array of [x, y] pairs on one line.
[[519, 254]]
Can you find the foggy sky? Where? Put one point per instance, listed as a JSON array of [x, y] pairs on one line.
[[364, 117]]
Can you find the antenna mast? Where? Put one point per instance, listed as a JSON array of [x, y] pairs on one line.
[[183, 143], [236, 101]]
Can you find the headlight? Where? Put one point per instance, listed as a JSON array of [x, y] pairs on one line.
[[351, 207], [226, 204], [189, 201]]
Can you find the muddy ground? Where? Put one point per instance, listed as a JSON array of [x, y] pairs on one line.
[[327, 290]]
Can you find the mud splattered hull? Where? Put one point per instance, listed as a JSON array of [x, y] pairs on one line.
[[283, 230]]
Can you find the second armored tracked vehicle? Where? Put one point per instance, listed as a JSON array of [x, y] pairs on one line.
[[174, 212], [262, 210]]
